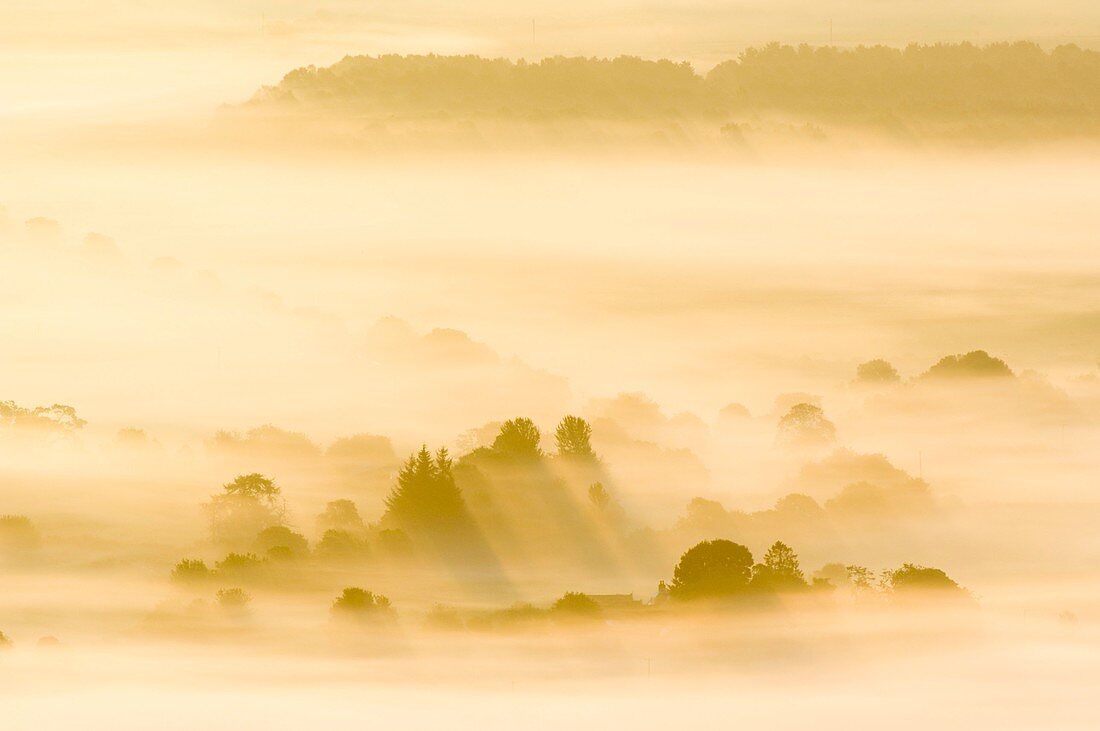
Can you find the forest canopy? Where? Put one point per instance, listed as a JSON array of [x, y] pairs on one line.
[[867, 83]]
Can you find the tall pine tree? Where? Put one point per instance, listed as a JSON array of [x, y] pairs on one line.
[[426, 495]]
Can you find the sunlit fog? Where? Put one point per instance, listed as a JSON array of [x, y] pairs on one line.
[[549, 364]]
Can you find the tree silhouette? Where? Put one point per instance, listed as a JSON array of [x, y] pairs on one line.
[[913, 578], [191, 571], [234, 600], [359, 604], [279, 536], [598, 496], [341, 545], [860, 577], [238, 566], [574, 437], [249, 504], [779, 570], [576, 604], [975, 364], [426, 493], [805, 424], [57, 417], [341, 515], [876, 371], [783, 561], [518, 439], [712, 569], [18, 533]]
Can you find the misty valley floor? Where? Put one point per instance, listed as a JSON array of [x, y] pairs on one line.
[[977, 683]]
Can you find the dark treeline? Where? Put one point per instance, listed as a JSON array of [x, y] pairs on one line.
[[1010, 79], [514, 506]]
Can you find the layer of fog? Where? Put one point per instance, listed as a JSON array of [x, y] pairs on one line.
[[233, 292]]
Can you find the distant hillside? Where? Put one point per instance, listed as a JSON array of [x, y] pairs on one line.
[[1015, 80]]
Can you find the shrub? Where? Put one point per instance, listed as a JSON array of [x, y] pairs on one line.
[[876, 371], [443, 617], [356, 603], [576, 604], [238, 565], [17, 532], [975, 364], [911, 578], [278, 536], [340, 544], [233, 599], [191, 571]]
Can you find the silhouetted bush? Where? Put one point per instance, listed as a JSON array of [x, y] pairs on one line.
[[395, 542], [18, 533], [733, 412], [341, 545], [976, 364], [239, 566], [234, 599], [358, 604], [805, 424], [575, 604], [340, 515], [876, 371], [57, 418], [443, 617], [191, 571], [912, 579], [247, 505], [279, 536]]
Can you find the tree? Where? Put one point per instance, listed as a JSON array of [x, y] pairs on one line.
[[362, 458], [576, 604], [238, 565], [340, 515], [279, 536], [234, 600], [56, 418], [17, 533], [341, 544], [876, 371], [911, 578], [359, 604], [860, 577], [5, 643], [599, 496], [426, 493], [443, 617], [780, 570], [836, 574], [574, 438], [733, 412], [518, 439], [606, 507], [247, 505], [805, 424], [712, 569], [975, 364], [191, 571]]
